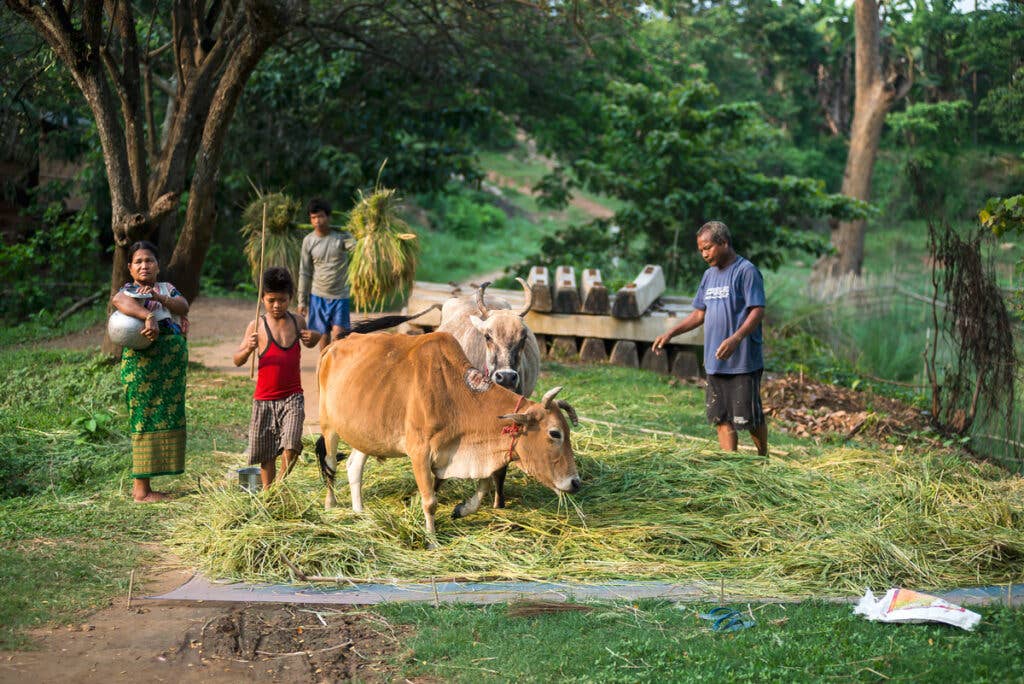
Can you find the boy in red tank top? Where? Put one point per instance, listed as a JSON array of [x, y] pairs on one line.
[[278, 408]]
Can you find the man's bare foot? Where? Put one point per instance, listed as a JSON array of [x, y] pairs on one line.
[[152, 497]]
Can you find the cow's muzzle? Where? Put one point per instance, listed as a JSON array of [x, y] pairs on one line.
[[507, 378], [570, 485]]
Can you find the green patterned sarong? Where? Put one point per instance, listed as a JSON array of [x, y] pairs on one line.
[[154, 389]]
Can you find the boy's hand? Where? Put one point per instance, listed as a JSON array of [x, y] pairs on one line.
[[253, 343], [309, 336]]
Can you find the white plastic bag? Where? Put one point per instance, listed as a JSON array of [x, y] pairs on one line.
[[904, 605]]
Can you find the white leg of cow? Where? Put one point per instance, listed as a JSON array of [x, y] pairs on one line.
[[472, 504], [356, 462]]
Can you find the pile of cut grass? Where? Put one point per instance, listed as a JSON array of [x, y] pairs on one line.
[[652, 508]]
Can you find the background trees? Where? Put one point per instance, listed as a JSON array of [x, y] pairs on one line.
[[740, 109]]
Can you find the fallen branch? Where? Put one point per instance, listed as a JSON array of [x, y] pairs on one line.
[[78, 306]]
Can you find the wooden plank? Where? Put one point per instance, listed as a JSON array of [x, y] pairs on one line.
[[540, 284], [643, 329], [567, 297], [633, 299], [593, 293]]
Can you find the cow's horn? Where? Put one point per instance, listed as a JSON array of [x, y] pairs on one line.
[[529, 297], [548, 396], [480, 299], [565, 406]]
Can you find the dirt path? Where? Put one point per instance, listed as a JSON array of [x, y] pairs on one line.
[[164, 641]]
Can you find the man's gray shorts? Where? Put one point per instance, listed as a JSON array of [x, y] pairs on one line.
[[735, 399]]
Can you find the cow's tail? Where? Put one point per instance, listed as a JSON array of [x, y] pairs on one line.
[[326, 472], [385, 322]]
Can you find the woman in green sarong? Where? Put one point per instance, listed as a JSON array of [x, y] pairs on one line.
[[154, 377]]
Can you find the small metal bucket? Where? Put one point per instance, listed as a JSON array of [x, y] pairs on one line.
[[249, 479]]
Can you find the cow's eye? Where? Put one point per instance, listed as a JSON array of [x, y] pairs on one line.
[[488, 338], [555, 434]]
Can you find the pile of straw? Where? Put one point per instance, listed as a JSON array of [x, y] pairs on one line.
[[652, 508], [383, 262]]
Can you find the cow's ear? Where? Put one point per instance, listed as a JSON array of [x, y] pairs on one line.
[[517, 418], [478, 323]]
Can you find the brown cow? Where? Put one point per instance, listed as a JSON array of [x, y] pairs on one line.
[[395, 395], [497, 340]]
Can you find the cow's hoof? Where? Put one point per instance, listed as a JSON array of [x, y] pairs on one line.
[[458, 512]]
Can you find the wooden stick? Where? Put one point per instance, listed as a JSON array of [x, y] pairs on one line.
[[131, 581], [259, 290]]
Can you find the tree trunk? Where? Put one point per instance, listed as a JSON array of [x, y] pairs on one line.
[[878, 87]]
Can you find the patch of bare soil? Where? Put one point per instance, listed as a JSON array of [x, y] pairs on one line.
[[810, 409], [288, 643], [172, 641]]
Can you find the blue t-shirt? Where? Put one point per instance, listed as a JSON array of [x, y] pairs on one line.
[[725, 296]]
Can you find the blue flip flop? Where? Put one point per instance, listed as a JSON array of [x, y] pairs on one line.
[[717, 613], [725, 619], [731, 623]]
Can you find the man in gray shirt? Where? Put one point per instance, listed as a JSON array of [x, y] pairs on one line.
[[323, 275], [730, 305]]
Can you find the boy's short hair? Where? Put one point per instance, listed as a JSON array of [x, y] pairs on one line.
[[717, 232], [278, 279], [316, 205]]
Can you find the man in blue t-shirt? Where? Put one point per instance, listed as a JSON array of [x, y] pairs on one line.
[[730, 305]]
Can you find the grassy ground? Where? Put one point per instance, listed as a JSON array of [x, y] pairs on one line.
[[658, 642]]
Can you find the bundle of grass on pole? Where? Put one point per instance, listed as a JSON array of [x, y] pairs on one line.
[[283, 241], [383, 261]]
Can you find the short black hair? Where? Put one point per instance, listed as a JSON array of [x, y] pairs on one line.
[[316, 205], [278, 279], [717, 232], [142, 244]]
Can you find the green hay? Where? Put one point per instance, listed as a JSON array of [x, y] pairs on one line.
[[383, 262], [282, 243], [655, 509]]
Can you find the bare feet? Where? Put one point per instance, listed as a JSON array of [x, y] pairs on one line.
[[151, 497]]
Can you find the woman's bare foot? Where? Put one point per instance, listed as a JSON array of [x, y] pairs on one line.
[[142, 493], [152, 497]]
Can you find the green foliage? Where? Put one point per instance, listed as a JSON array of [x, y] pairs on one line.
[[678, 158], [281, 243], [49, 443], [931, 134], [54, 266], [463, 213], [1005, 105], [1003, 216]]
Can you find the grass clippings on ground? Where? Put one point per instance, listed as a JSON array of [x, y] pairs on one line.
[[651, 508]]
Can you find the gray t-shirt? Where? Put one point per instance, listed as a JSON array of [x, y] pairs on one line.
[[323, 266], [725, 296]]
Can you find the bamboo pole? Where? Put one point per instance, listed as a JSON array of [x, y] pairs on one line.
[[259, 290]]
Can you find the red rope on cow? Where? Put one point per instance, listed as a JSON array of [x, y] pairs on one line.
[[513, 430]]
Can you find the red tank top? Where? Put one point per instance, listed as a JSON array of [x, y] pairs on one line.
[[279, 375]]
